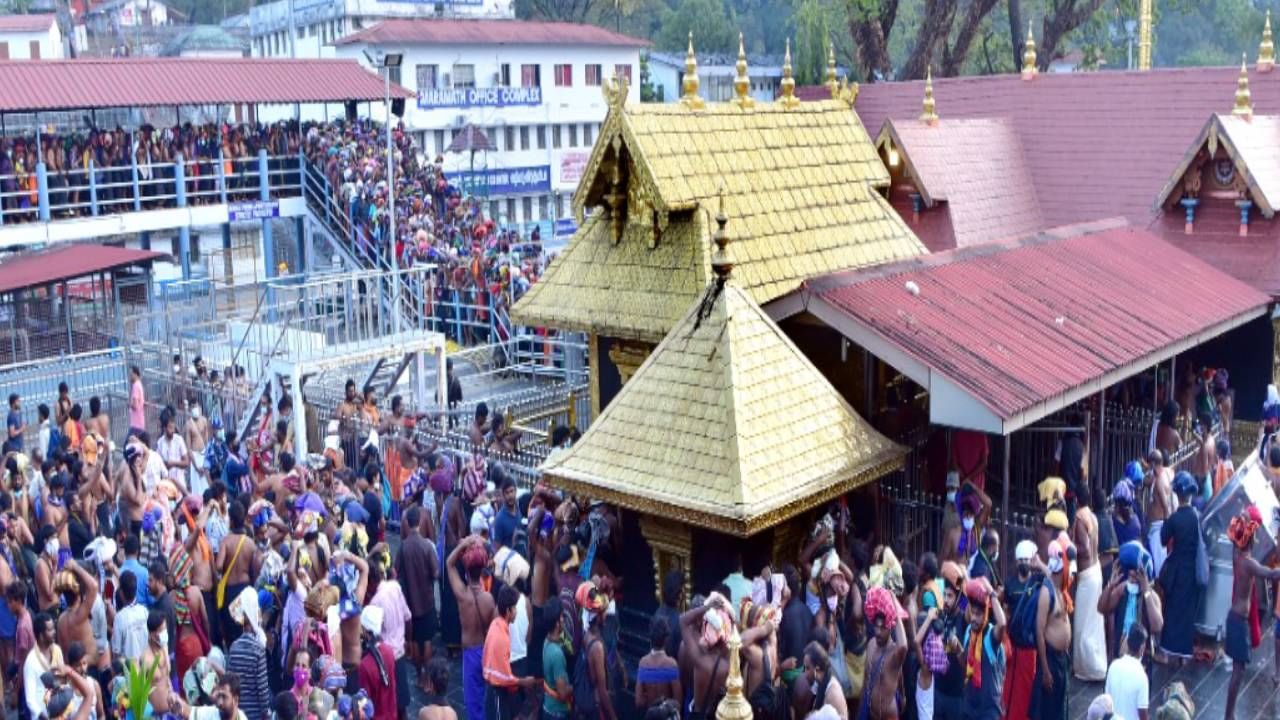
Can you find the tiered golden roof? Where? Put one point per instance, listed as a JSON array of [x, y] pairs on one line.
[[1266, 48], [1029, 68], [799, 178], [1244, 99], [725, 426]]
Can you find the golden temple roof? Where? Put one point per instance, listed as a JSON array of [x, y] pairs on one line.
[[725, 426], [799, 180]]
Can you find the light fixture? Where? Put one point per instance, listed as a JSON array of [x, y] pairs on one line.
[[893, 156], [393, 59]]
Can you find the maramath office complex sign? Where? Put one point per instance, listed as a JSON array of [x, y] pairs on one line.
[[434, 98]]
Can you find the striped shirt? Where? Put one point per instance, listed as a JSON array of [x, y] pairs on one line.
[[248, 659]]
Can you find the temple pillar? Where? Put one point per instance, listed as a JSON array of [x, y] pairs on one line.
[[1189, 204], [1244, 206], [628, 357], [672, 545], [593, 352]]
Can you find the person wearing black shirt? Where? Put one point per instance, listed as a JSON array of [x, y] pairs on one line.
[[948, 688], [669, 610], [78, 533], [796, 630]]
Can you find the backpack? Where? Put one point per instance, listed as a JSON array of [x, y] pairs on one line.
[[767, 701], [56, 441], [585, 705], [1022, 626]]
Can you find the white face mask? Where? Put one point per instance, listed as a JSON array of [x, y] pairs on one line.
[[832, 601], [176, 367], [967, 523], [163, 639], [586, 620], [51, 547], [995, 556], [951, 497], [1055, 564], [1132, 587]]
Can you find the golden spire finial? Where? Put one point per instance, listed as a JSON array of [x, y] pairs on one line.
[[832, 84], [929, 114], [735, 705], [741, 81], [1029, 69], [1267, 49], [721, 260], [789, 98], [1144, 35], [690, 97], [1244, 99]]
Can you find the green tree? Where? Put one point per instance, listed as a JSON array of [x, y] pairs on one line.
[[711, 22]]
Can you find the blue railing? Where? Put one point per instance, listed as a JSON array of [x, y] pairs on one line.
[[42, 195]]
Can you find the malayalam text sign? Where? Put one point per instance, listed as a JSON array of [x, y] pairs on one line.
[[257, 210], [508, 181], [434, 98], [572, 164]]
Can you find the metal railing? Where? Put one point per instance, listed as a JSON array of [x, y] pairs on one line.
[[43, 194]]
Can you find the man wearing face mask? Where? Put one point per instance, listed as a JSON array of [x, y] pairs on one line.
[[1129, 596], [1053, 636], [78, 590], [46, 568], [226, 702], [948, 688], [173, 451], [157, 652], [885, 656], [1089, 649], [1022, 588], [984, 652], [45, 657]]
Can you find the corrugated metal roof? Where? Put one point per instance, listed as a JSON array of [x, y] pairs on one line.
[[1098, 144], [26, 23], [146, 82], [66, 263], [487, 32], [1016, 325]]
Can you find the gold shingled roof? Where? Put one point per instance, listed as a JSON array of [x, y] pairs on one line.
[[799, 182], [725, 426]]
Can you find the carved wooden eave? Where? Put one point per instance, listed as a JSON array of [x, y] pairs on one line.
[[1215, 135]]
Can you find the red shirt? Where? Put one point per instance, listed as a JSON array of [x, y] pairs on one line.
[[382, 694]]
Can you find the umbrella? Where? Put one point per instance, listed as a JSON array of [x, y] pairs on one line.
[[470, 139]]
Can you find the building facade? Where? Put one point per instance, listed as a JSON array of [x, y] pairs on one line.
[[317, 24], [30, 37], [715, 75], [532, 89]]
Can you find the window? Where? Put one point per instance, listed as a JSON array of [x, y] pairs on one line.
[[504, 78], [559, 205], [524, 137], [530, 76], [4, 51], [623, 71], [511, 210], [542, 207], [555, 136], [542, 137], [587, 132], [394, 73], [493, 210], [492, 134], [427, 76], [440, 142], [510, 143], [528, 209], [464, 76], [357, 23], [573, 136], [593, 75], [564, 75], [35, 49]]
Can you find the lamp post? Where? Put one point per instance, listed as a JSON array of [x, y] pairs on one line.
[[386, 61]]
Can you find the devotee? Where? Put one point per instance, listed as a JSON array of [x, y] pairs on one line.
[[377, 677], [1157, 506], [827, 693], [704, 630], [1178, 579], [1244, 570], [476, 610], [885, 656], [1127, 682], [1129, 597], [501, 700], [1021, 596], [984, 652], [1053, 636], [1089, 644]]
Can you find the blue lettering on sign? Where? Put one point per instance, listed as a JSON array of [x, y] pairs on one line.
[[432, 98], [565, 227], [506, 181]]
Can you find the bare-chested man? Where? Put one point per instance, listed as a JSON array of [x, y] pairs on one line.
[[197, 436], [133, 493], [46, 568], [348, 412], [885, 655], [703, 631], [1157, 494], [1244, 570], [235, 564], [350, 625], [825, 686], [78, 589], [1053, 639], [98, 421], [1089, 656], [475, 610], [759, 648]]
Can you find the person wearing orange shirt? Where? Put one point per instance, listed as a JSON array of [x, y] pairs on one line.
[[501, 686]]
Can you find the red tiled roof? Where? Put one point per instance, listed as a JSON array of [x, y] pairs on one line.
[[1254, 259], [977, 167], [488, 32], [66, 263], [1098, 144], [26, 23], [145, 82], [1022, 328]]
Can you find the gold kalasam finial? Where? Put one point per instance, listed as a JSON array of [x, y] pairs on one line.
[[1144, 35], [734, 706], [741, 81], [1244, 99], [1029, 68], [832, 84], [789, 98], [929, 114], [1267, 48], [690, 97], [722, 260], [615, 92]]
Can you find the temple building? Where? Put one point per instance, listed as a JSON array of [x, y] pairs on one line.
[[801, 179]]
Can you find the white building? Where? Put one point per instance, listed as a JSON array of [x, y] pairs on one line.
[[30, 37], [532, 88], [715, 76], [316, 24]]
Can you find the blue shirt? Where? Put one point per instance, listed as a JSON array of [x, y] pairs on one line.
[[504, 526], [131, 565], [14, 422]]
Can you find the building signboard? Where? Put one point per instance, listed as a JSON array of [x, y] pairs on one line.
[[507, 181], [495, 97], [256, 210]]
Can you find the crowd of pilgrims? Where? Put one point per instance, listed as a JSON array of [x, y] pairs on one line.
[[185, 573], [436, 221]]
